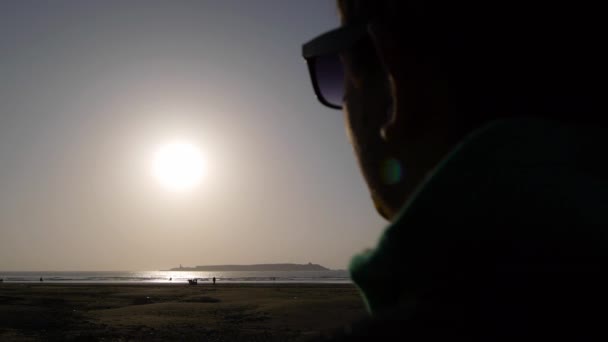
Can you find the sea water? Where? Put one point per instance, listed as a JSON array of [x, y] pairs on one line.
[[139, 277]]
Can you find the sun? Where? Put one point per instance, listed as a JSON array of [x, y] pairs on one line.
[[178, 166]]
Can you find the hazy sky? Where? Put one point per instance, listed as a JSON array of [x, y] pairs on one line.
[[89, 90]]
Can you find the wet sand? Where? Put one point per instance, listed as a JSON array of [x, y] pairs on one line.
[[224, 312]]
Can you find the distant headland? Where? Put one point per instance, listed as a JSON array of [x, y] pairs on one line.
[[256, 267]]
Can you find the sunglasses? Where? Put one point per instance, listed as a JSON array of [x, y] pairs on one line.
[[327, 72]]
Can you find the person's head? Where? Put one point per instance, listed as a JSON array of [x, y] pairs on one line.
[[415, 77]]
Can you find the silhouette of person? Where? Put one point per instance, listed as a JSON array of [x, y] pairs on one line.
[[41, 279], [479, 129], [213, 280]]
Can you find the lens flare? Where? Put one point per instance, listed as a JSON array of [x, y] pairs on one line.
[[391, 171]]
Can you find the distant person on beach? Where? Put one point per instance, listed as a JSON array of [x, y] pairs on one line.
[[41, 279], [213, 280], [481, 132]]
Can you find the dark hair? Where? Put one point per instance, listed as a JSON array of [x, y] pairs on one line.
[[504, 58]]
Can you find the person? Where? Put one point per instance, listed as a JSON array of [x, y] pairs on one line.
[[213, 280], [479, 128]]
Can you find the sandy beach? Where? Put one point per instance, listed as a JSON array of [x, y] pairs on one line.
[[224, 312]]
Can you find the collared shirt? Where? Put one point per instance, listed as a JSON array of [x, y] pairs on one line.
[[518, 198]]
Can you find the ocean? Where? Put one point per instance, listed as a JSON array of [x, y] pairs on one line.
[[168, 277]]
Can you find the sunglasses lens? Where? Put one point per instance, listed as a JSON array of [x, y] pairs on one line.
[[330, 79]]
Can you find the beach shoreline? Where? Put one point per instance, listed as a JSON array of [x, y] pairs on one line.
[[176, 311], [117, 277]]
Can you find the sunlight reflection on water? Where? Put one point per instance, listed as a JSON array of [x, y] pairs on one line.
[[333, 276]]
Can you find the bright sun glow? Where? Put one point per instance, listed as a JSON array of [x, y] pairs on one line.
[[178, 166]]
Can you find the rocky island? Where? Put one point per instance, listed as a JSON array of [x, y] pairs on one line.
[[256, 267]]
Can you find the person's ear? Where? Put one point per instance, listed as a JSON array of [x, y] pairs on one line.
[[393, 61]]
